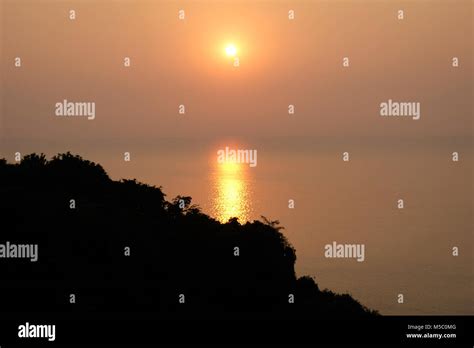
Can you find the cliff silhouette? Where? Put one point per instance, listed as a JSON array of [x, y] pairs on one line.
[[174, 249]]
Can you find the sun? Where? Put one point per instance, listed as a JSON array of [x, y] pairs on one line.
[[230, 167], [231, 50]]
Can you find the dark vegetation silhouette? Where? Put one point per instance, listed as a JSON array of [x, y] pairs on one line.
[[173, 250]]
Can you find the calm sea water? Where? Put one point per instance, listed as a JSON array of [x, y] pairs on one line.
[[407, 251]]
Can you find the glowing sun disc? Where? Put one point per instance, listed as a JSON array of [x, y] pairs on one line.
[[231, 50]]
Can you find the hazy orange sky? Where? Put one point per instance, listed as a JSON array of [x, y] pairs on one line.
[[282, 62]]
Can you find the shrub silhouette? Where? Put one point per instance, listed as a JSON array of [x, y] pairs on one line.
[[174, 249]]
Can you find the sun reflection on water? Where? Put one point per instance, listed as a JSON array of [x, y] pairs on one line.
[[231, 192]]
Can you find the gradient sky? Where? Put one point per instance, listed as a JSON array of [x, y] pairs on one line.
[[282, 62]]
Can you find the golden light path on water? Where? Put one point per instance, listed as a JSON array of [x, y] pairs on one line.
[[231, 192]]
